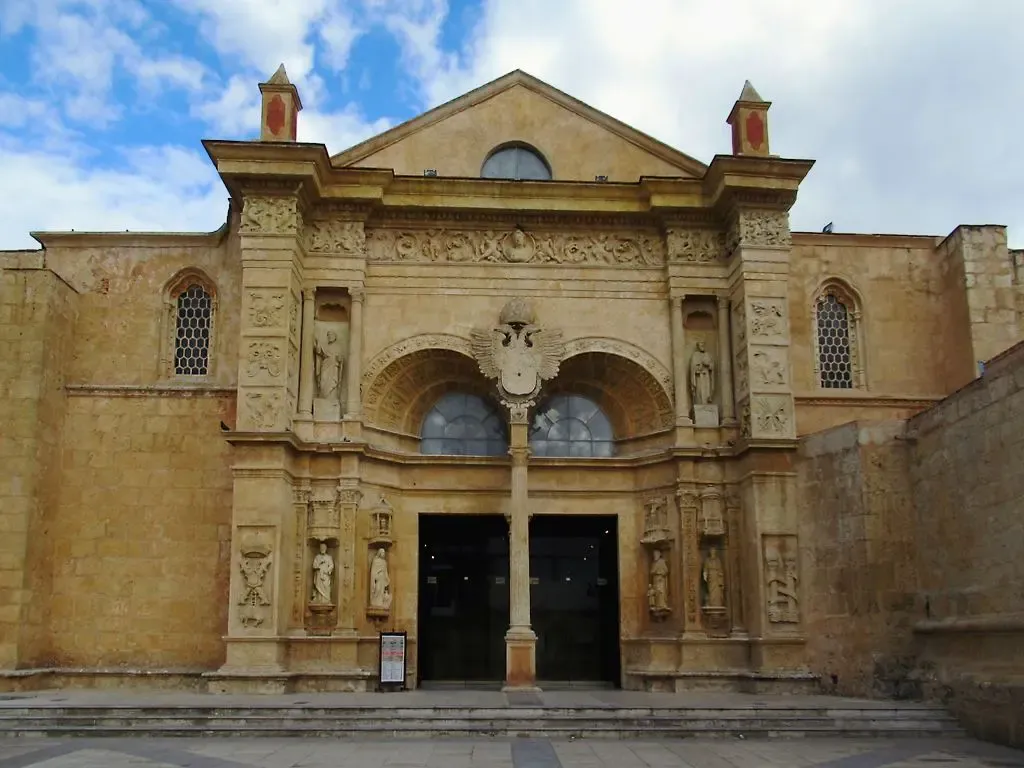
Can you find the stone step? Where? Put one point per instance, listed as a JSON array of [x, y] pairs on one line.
[[752, 721]]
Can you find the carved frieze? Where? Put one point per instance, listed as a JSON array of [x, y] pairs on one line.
[[336, 236], [700, 246], [263, 215], [515, 247], [264, 357], [266, 308], [758, 228], [781, 578]]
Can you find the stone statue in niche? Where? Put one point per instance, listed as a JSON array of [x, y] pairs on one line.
[[702, 387], [380, 582], [328, 363], [714, 580], [780, 576], [323, 573], [702, 372], [657, 590]]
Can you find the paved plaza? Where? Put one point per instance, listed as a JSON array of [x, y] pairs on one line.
[[504, 753]]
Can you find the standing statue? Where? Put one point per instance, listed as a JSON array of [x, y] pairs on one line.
[[714, 579], [323, 570], [328, 365], [657, 592], [380, 582], [702, 376]]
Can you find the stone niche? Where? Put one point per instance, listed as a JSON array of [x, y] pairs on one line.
[[330, 353], [703, 370]]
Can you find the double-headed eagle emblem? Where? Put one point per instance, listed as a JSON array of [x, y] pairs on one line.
[[518, 354]]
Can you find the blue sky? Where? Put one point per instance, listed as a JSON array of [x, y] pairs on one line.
[[911, 109]]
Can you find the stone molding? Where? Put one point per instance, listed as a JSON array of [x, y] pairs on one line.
[[624, 349], [147, 390], [388, 355]]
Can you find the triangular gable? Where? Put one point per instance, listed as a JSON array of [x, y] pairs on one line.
[[611, 141]]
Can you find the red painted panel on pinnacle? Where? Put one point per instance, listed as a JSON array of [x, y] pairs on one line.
[[275, 114], [755, 130]]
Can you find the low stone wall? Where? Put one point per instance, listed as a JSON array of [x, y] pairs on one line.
[[968, 484]]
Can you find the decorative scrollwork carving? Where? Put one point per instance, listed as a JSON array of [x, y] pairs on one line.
[[699, 246], [336, 236], [516, 247], [270, 216]]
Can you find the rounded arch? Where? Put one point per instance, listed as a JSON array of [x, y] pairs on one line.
[[839, 334], [184, 279], [188, 324], [407, 379], [516, 160], [630, 385]]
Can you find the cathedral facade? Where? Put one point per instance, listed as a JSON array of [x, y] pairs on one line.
[[512, 378]]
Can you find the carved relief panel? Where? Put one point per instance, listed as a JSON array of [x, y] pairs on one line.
[[781, 578], [689, 505], [758, 229], [694, 245], [515, 247], [255, 590], [270, 215], [344, 238]]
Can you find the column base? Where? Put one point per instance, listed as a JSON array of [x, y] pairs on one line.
[[520, 660]]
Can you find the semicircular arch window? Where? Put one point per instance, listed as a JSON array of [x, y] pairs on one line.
[[460, 424], [571, 425], [518, 162]]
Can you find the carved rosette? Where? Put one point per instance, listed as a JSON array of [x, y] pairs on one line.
[[445, 246], [265, 307]]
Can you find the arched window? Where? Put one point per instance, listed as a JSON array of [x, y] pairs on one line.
[[571, 425], [837, 339], [191, 302], [463, 425], [516, 161]]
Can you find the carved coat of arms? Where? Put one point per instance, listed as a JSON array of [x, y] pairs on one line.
[[518, 353]]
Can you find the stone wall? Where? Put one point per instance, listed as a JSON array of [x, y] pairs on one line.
[[969, 496], [37, 315], [140, 536], [857, 529]]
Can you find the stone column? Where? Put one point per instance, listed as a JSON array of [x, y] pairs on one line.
[[682, 391], [349, 497], [725, 362], [520, 640], [353, 405], [306, 380]]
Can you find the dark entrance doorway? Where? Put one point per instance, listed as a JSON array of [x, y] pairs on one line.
[[463, 599], [574, 598]]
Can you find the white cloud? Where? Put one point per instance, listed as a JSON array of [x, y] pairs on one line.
[[158, 189], [82, 45]]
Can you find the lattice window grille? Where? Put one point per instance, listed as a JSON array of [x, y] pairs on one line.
[[194, 319], [836, 347]]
